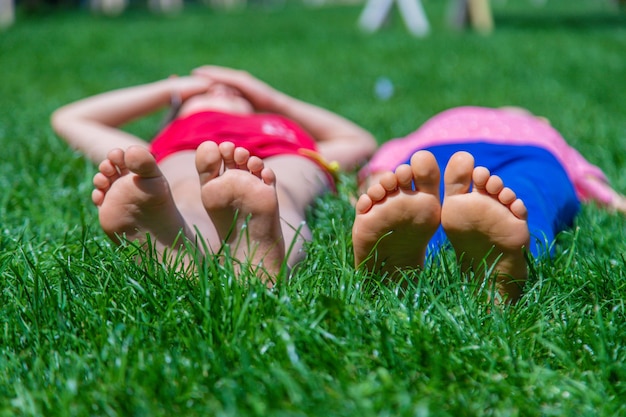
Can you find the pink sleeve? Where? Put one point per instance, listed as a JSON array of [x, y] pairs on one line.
[[388, 156]]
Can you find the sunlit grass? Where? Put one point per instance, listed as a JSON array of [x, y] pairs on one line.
[[85, 329]]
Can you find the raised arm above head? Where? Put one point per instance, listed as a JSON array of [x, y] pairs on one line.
[[338, 138], [91, 125]]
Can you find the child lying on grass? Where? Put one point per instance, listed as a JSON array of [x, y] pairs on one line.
[[407, 211], [238, 152]]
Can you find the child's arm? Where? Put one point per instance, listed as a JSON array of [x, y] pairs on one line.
[[92, 125], [598, 189], [339, 139]]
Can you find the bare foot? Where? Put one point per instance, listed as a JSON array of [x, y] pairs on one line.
[[242, 204], [134, 199], [487, 223], [394, 223]]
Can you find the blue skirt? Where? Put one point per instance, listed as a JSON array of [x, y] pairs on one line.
[[537, 178]]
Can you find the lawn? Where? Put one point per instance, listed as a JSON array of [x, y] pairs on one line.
[[86, 330]]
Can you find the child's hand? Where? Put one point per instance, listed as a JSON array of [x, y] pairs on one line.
[[259, 94], [188, 86]]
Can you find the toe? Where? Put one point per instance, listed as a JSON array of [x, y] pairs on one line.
[[241, 157], [255, 165], [101, 181], [480, 176], [376, 192], [208, 161], [116, 157], [389, 182], [404, 177], [364, 204], [227, 150], [268, 176], [518, 208], [507, 196], [97, 197], [140, 161], [458, 173], [494, 185], [108, 169], [425, 171]]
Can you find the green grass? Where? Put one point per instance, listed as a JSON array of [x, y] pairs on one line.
[[85, 330]]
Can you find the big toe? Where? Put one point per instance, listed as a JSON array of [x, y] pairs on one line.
[[426, 172], [208, 161], [140, 161], [458, 175]]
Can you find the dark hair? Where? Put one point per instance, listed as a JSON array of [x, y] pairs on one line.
[[176, 103]]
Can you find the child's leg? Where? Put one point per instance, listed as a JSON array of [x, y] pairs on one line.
[[239, 195], [397, 217], [298, 182], [180, 171], [488, 222]]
